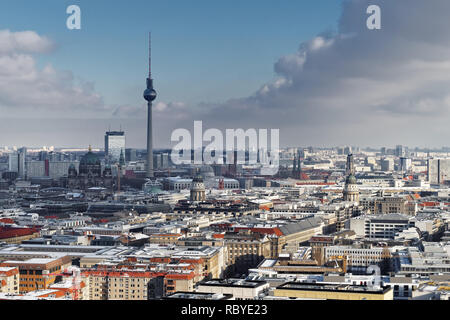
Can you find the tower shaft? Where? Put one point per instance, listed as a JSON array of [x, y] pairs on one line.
[[149, 141], [150, 96]]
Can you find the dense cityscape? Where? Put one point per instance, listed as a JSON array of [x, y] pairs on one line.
[[88, 225], [322, 177]]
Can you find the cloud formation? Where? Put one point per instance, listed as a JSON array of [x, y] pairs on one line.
[[28, 90], [356, 86], [351, 86]]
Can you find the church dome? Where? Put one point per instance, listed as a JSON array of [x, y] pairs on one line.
[[207, 171], [351, 179], [90, 159], [198, 178], [90, 164]]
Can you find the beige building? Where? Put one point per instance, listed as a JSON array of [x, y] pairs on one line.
[[387, 205], [328, 291], [165, 238], [9, 280], [133, 284]]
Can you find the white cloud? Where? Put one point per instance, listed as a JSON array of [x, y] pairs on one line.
[[358, 86], [23, 42], [28, 90]]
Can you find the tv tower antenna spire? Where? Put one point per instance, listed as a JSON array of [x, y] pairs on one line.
[[150, 96], [149, 55]]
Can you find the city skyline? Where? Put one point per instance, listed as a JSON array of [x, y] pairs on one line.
[[278, 153]]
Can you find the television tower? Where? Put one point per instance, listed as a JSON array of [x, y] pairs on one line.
[[150, 96]]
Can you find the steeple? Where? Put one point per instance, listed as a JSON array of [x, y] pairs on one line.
[[121, 159]]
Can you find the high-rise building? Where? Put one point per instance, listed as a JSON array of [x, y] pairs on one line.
[[157, 161], [405, 164], [164, 160], [14, 162], [130, 154], [387, 165], [438, 170], [400, 151], [114, 145], [22, 155]]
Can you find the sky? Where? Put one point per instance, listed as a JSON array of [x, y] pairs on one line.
[[309, 68]]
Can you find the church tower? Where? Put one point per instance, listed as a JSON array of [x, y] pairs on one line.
[[351, 190]]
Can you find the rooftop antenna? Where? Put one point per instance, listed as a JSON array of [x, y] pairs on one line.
[[149, 55]]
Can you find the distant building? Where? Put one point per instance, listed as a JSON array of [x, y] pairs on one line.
[[38, 273], [438, 170], [238, 288], [114, 145], [387, 165], [90, 173], [405, 164], [198, 189], [9, 280], [329, 291], [351, 191], [380, 227], [14, 162], [130, 154]]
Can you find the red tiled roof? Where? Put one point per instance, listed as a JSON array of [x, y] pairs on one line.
[[275, 231], [8, 232], [7, 220]]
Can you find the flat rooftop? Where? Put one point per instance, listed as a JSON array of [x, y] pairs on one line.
[[331, 287], [234, 283]]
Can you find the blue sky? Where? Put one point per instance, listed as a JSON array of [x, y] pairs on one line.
[[203, 51], [310, 68]]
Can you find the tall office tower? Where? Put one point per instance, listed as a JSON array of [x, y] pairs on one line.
[[14, 162], [347, 150], [165, 160], [22, 158], [438, 171], [157, 161], [387, 164], [114, 145], [400, 151], [130, 154], [150, 96], [405, 164]]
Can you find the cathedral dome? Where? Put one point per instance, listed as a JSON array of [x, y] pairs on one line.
[[198, 178], [207, 172], [90, 164], [351, 179], [90, 159]]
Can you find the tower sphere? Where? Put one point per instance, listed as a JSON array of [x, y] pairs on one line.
[[149, 94]]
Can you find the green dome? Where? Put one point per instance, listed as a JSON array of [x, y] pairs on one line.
[[198, 178], [351, 179], [90, 159], [90, 164]]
